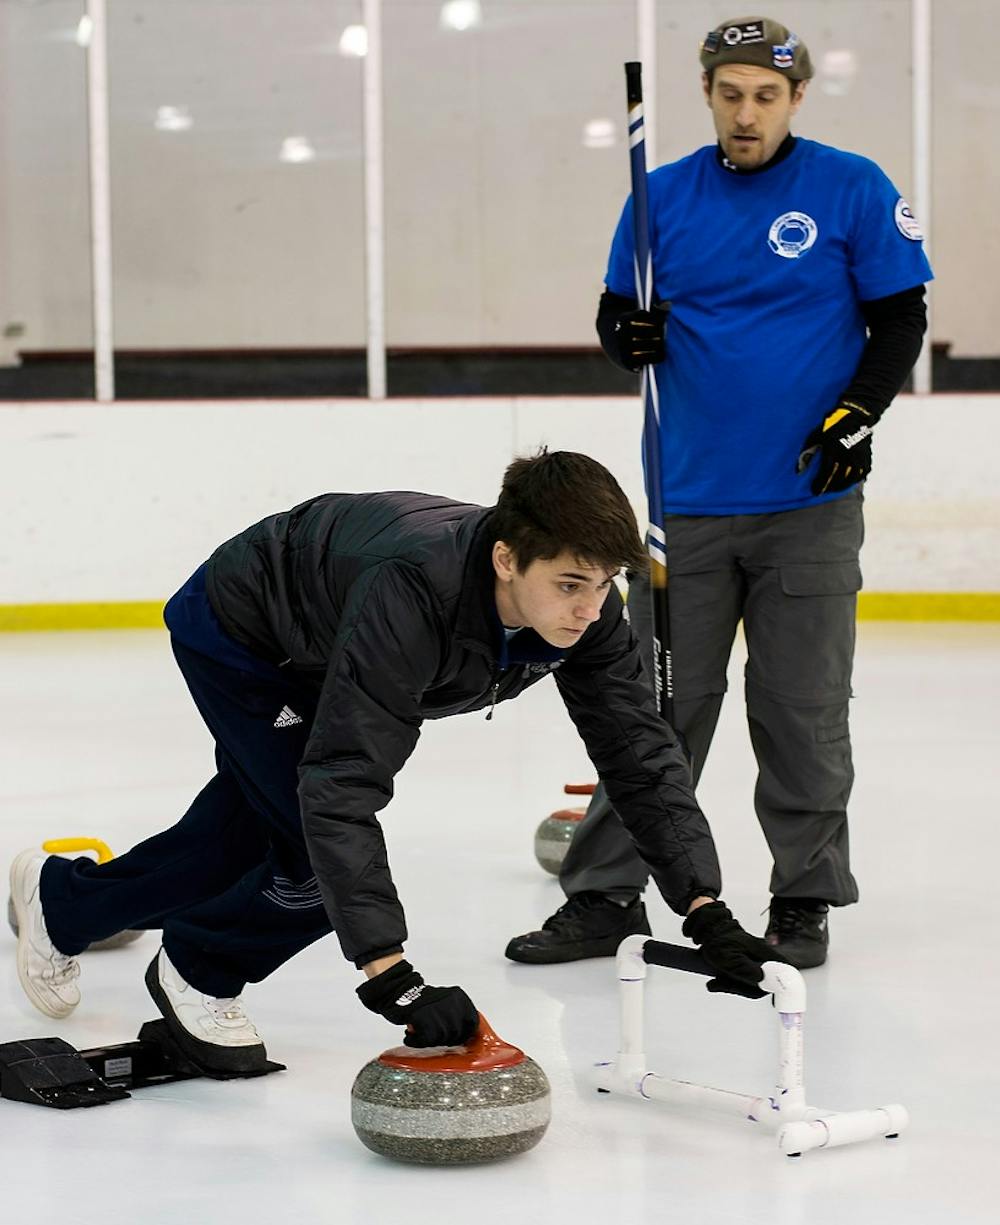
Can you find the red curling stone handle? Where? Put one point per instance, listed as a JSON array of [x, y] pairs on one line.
[[486, 1052]]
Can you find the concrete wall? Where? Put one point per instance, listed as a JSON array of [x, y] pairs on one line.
[[119, 503]]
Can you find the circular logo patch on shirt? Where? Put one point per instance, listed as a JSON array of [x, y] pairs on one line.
[[906, 223], [792, 235]]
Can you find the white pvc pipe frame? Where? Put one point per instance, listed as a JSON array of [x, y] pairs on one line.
[[374, 160], [800, 1127]]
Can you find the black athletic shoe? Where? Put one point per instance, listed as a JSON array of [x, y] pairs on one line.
[[798, 929], [587, 925]]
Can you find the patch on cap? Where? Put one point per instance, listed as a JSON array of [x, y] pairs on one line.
[[744, 32], [784, 55], [758, 41]]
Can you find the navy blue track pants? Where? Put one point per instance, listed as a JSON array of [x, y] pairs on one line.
[[230, 884]]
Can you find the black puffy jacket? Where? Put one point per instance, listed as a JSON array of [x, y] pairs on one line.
[[385, 603]]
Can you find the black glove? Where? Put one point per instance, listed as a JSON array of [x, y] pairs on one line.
[[844, 443], [433, 1016], [639, 337], [727, 948]]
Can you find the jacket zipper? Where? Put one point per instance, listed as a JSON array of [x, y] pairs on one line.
[[493, 696], [496, 689]]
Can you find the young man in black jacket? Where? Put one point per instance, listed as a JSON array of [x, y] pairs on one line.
[[314, 644]]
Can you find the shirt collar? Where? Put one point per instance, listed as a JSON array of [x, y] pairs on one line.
[[782, 151]]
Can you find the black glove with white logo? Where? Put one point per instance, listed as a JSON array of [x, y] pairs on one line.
[[732, 952], [639, 337], [433, 1016], [844, 445]]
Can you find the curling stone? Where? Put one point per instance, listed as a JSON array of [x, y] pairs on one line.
[[63, 846], [553, 836], [451, 1105]]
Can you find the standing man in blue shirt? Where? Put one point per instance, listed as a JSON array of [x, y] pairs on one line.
[[793, 275]]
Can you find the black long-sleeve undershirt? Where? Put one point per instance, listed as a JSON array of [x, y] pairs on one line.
[[896, 326]]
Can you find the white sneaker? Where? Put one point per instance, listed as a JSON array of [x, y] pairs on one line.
[[47, 976], [215, 1031]]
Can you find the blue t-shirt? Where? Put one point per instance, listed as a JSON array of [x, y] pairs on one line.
[[764, 273]]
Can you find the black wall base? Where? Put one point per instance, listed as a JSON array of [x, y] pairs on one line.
[[292, 374]]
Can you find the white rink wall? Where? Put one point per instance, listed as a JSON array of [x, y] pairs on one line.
[[120, 502]]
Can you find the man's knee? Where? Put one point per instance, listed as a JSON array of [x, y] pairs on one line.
[[804, 747]]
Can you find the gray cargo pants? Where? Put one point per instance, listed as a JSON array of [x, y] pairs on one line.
[[793, 578]]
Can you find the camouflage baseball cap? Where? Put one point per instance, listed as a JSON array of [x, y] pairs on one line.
[[759, 41]]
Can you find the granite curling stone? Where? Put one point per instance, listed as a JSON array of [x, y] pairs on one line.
[[451, 1105], [60, 846], [553, 836]]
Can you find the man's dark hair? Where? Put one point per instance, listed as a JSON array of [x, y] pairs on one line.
[[562, 501]]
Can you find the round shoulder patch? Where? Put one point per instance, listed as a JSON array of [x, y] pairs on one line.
[[906, 223]]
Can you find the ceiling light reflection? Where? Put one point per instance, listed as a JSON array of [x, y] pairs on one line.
[[173, 119], [837, 70], [354, 41], [461, 15], [297, 149], [599, 134]]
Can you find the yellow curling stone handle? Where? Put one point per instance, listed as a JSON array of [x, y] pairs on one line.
[[63, 846]]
